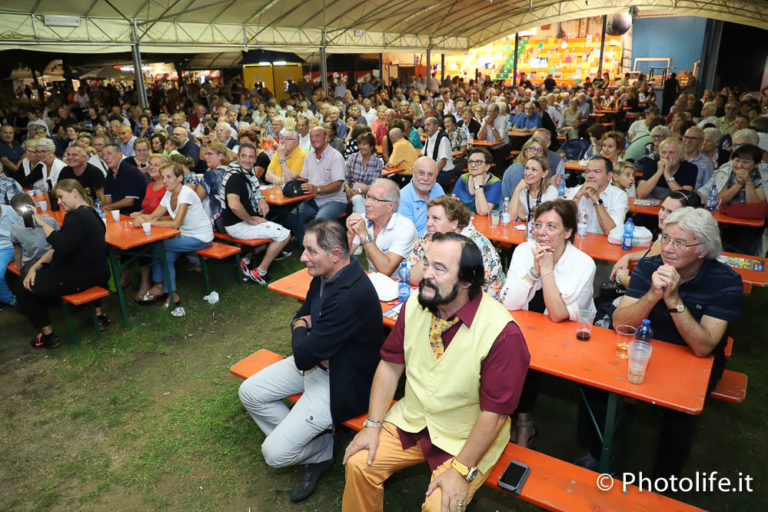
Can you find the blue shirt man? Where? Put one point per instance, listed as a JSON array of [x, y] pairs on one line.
[[422, 189]]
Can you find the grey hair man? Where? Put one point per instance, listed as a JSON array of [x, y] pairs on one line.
[[386, 236]]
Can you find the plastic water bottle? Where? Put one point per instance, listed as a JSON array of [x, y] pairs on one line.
[[712, 199], [403, 282], [561, 186], [629, 229], [506, 218], [99, 209], [644, 332], [582, 220]]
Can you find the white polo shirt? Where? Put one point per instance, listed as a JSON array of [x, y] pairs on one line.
[[399, 237], [615, 200]]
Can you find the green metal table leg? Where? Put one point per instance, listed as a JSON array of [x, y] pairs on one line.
[[116, 273], [171, 292], [610, 423], [204, 267], [68, 321]]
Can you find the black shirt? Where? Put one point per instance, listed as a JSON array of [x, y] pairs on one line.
[[79, 246], [237, 184], [92, 178]]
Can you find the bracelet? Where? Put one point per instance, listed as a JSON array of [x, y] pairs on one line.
[[533, 275], [293, 324], [548, 273]]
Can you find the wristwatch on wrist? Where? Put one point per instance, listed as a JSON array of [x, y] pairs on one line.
[[468, 473], [374, 424], [677, 309], [478, 187], [598, 202], [671, 179], [368, 238], [297, 319]]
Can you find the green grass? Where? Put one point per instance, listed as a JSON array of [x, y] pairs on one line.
[[148, 418]]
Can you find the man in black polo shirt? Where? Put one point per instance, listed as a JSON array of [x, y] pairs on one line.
[[78, 168], [690, 298], [124, 186]]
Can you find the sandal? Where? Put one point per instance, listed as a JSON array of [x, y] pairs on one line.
[[148, 298], [104, 322], [528, 423]]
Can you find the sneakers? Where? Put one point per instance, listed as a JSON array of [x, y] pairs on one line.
[[48, 341], [285, 253], [256, 276], [244, 268], [104, 322]]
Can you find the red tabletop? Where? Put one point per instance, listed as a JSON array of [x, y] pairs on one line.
[[483, 143], [718, 215], [388, 170], [123, 236], [574, 165], [676, 379], [274, 196], [598, 247], [520, 133]]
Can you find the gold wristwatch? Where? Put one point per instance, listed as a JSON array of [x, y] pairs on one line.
[[468, 473]]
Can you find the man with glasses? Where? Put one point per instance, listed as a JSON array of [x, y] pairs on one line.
[[669, 174], [79, 169], [605, 204], [422, 189], [528, 119], [494, 129], [287, 161], [690, 298], [692, 142], [386, 236], [98, 142]]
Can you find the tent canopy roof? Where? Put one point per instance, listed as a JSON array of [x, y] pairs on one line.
[[303, 25]]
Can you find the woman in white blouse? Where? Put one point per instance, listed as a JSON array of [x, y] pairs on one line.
[[187, 215], [533, 189], [551, 276]]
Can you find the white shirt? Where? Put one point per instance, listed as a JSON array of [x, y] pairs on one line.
[[443, 151], [615, 202], [304, 142], [639, 127], [97, 162], [196, 223], [574, 276], [501, 127], [371, 115], [550, 194], [53, 173], [399, 236]]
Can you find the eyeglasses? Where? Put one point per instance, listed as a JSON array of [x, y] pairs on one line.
[[676, 243], [377, 199], [476, 162], [688, 137], [535, 149]]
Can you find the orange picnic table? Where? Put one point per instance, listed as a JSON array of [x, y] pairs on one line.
[[123, 237], [676, 379], [274, 196], [483, 143], [653, 209], [599, 248], [574, 165], [389, 170], [520, 133]]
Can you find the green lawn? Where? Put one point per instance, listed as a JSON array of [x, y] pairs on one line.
[[148, 418]]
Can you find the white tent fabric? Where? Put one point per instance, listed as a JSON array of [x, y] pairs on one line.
[[206, 26]]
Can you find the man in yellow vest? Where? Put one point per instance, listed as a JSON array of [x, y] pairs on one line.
[[465, 360]]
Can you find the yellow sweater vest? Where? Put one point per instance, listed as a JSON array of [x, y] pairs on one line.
[[444, 394]]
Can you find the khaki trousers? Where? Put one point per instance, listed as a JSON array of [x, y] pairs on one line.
[[364, 489]]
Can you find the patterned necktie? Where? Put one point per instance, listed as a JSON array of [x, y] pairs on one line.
[[436, 330]]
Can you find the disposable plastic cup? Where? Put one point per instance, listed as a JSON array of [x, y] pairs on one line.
[[625, 334], [584, 324], [639, 354], [495, 216], [116, 215], [43, 206], [147, 227]]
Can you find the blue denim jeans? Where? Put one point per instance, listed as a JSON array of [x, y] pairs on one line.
[[173, 248], [6, 256]]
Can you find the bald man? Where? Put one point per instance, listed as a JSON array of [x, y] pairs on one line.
[[416, 194]]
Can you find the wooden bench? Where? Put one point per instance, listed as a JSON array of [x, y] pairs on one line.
[[241, 241], [732, 387], [553, 484], [75, 299], [217, 251], [78, 299]]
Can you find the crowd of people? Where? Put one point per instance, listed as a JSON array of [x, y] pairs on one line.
[[198, 158]]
